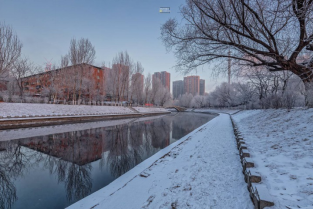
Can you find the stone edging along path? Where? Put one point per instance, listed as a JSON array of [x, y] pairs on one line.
[[258, 192], [43, 120]]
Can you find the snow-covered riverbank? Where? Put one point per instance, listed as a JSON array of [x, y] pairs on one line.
[[28, 109], [201, 170], [281, 146]]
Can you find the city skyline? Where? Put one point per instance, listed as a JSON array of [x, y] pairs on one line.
[[190, 84], [46, 36]]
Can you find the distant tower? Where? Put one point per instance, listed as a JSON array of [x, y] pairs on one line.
[[48, 65], [229, 67]]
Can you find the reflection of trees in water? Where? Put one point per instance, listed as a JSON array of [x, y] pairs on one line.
[[13, 163], [129, 145], [160, 132], [181, 126], [16, 160], [77, 178], [78, 182], [136, 142], [119, 157], [7, 190]]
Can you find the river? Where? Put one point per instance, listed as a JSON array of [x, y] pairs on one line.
[[53, 167]]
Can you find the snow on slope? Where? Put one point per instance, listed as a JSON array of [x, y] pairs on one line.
[[150, 109], [209, 110], [10, 134], [20, 109], [281, 146], [202, 172]]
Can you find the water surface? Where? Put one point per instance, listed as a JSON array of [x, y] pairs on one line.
[[53, 167]]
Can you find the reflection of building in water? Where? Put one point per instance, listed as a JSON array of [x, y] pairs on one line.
[[177, 131], [160, 133], [79, 147], [117, 142], [85, 146], [136, 134], [125, 145]]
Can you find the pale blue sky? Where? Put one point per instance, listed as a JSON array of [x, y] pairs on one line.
[[46, 28]]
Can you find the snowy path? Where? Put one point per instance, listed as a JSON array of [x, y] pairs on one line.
[[210, 110], [203, 171]]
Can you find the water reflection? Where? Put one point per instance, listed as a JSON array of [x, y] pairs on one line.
[[7, 190], [69, 156]]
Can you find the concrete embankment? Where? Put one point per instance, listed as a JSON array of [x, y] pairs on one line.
[[21, 115], [12, 123]]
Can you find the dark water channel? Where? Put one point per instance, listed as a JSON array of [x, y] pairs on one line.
[[55, 169]]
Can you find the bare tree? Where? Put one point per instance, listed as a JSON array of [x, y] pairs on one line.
[[65, 78], [137, 82], [10, 50], [120, 76], [156, 90], [147, 88], [21, 69], [273, 32], [80, 52], [162, 96]]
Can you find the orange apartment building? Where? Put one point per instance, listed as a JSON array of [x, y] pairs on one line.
[[164, 77], [68, 82], [192, 85]]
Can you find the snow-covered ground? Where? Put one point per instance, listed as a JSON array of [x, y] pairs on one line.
[[27, 109], [210, 110], [281, 147], [11, 134], [201, 170], [150, 109]]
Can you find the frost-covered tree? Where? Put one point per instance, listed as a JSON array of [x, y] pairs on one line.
[[275, 33], [198, 101], [162, 96], [147, 88], [185, 100], [137, 84], [80, 52], [21, 69], [118, 77], [10, 50]]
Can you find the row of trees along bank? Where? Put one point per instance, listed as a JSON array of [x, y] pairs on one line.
[[122, 80]]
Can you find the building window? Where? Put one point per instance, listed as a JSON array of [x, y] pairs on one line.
[[26, 88], [97, 77], [26, 83]]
